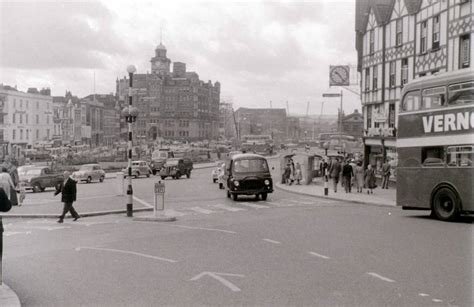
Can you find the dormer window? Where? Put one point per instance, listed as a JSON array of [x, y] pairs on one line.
[[371, 42], [399, 32], [435, 32]]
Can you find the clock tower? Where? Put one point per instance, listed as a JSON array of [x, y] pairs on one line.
[[160, 64]]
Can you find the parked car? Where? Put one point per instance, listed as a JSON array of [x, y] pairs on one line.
[[176, 167], [38, 178], [216, 171], [248, 174], [138, 168], [89, 172]]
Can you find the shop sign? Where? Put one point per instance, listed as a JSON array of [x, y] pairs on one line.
[[380, 132]]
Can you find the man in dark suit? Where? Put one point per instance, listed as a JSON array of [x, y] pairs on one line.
[[68, 191]]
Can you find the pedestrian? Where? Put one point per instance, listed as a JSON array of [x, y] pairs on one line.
[[359, 177], [5, 206], [298, 173], [6, 183], [385, 174], [9, 164], [347, 174], [334, 172], [292, 171], [68, 191], [22, 192], [369, 179], [286, 174]]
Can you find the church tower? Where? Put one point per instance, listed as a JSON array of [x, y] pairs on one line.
[[160, 64]]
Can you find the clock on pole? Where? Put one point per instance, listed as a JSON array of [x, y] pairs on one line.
[[339, 75]]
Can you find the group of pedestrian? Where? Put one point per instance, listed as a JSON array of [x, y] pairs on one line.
[[9, 180], [350, 170], [292, 173]]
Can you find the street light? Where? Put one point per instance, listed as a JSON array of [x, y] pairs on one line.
[[130, 113]]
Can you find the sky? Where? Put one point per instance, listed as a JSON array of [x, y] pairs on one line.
[[262, 52]]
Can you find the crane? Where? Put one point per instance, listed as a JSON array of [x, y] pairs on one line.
[[287, 108], [307, 109]]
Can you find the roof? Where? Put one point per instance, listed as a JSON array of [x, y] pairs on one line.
[[382, 10], [413, 6], [446, 77], [247, 156]]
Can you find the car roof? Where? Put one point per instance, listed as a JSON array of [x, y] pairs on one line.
[[90, 164], [247, 156], [138, 161]]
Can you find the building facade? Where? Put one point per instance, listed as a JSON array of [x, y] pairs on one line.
[[67, 119], [353, 124], [398, 41], [25, 119], [173, 105], [262, 121]]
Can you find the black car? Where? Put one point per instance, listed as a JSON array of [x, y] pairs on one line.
[[248, 174]]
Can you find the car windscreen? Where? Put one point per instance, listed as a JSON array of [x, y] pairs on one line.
[[33, 171], [86, 168], [250, 165]]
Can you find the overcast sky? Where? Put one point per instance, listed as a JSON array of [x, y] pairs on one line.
[[260, 51]]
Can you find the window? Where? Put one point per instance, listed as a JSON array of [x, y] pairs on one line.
[[464, 51], [27, 134], [369, 117], [37, 105], [26, 119], [37, 119], [37, 134], [399, 32], [392, 66], [391, 115], [460, 156], [21, 118], [13, 118], [367, 79], [461, 93], [21, 134], [374, 77], [371, 42], [434, 97], [411, 101], [435, 32], [423, 37], [404, 71], [432, 156], [13, 134]]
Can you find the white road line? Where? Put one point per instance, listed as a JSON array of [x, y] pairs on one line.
[[12, 233], [228, 208], [272, 241], [201, 228], [172, 212], [126, 252], [141, 201], [200, 210], [319, 255], [255, 206], [423, 294], [437, 300], [380, 277]]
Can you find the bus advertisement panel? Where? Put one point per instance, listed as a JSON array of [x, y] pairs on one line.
[[435, 145]]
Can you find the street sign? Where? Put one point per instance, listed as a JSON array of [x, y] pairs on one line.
[[329, 95], [339, 75], [159, 188]]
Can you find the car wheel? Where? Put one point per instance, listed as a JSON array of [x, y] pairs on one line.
[[256, 197], [163, 177], [177, 176], [228, 194], [148, 175], [188, 175], [264, 196], [89, 179], [446, 204], [235, 196], [36, 188], [221, 186], [101, 179], [214, 180], [137, 174], [154, 173]]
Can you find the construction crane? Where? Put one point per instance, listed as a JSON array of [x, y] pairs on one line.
[[271, 106], [307, 109], [287, 108]]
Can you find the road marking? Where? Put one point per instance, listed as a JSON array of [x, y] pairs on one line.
[[423, 294], [380, 277], [141, 201], [272, 241], [228, 208], [49, 228], [172, 212], [437, 300], [255, 206], [200, 210], [201, 228], [126, 252], [319, 255], [12, 233], [218, 277]]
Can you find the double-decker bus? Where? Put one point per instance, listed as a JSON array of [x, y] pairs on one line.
[[435, 145]]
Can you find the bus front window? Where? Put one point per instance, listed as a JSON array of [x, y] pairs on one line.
[[411, 101]]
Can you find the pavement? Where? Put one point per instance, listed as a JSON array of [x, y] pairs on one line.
[[8, 297]]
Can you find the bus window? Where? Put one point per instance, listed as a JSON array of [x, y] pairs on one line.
[[460, 156], [434, 97], [461, 93], [432, 156], [411, 101]]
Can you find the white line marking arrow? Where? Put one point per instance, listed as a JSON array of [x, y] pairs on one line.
[[126, 252], [319, 255], [271, 241], [380, 277], [201, 228], [224, 281]]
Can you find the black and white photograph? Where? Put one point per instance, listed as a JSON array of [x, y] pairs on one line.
[[236, 153]]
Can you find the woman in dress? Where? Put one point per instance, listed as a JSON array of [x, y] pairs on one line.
[[369, 178], [359, 176]]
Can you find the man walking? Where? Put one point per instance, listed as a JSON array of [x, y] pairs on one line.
[[334, 173], [347, 174], [385, 174], [68, 191]]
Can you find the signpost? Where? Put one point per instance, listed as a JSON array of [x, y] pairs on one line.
[[158, 213], [159, 190]]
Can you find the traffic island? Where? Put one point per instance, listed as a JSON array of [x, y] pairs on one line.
[[153, 218]]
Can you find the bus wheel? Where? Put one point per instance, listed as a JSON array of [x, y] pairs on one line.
[[445, 204]]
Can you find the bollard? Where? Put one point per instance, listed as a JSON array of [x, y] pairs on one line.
[[326, 190]]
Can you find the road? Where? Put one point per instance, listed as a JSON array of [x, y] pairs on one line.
[[288, 250]]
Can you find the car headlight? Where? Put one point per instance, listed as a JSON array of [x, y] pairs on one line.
[[236, 183], [267, 182]]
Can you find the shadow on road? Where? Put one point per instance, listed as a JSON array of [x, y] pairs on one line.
[[465, 219]]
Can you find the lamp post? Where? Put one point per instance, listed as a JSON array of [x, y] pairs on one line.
[[326, 189], [130, 114]]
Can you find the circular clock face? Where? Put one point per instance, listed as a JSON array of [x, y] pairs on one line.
[[339, 75]]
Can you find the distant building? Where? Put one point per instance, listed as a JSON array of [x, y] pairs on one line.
[[25, 119], [173, 105], [67, 119], [227, 127], [353, 124], [262, 121]]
